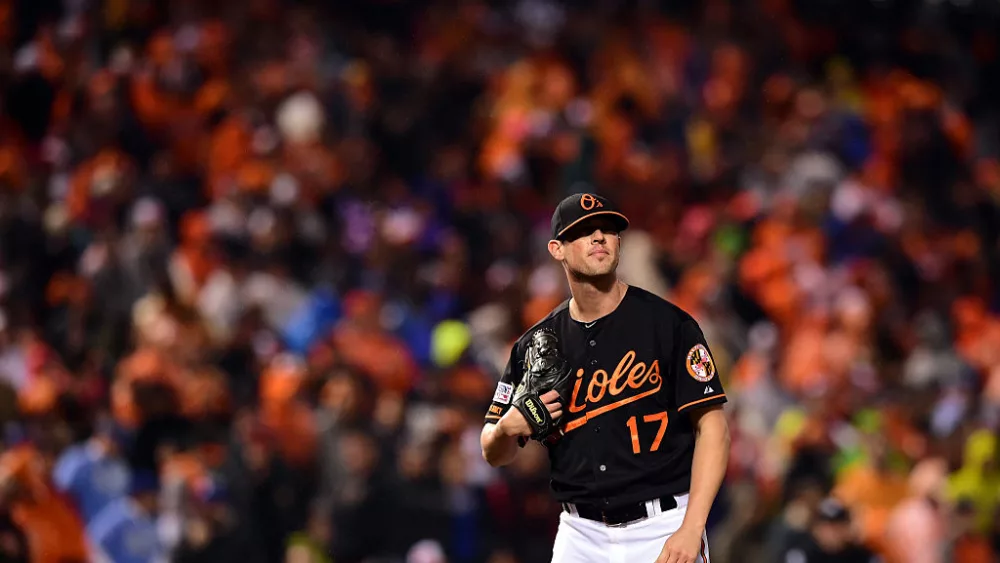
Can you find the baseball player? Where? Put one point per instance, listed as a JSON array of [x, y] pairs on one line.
[[621, 387]]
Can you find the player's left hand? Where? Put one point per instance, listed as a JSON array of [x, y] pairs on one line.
[[681, 547]]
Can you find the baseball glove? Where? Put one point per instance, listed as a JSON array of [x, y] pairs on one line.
[[545, 369]]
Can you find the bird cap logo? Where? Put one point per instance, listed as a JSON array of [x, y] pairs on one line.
[[588, 202], [700, 364]]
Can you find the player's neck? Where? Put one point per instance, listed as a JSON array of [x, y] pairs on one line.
[[593, 299]]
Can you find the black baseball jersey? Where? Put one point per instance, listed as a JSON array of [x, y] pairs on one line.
[[636, 374]]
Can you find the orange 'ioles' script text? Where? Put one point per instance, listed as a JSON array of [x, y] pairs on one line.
[[627, 376]]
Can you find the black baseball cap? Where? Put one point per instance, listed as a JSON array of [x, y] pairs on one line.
[[577, 207], [832, 510]]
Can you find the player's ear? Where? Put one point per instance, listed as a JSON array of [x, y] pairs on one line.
[[556, 249]]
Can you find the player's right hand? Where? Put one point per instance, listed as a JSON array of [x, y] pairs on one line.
[[514, 424]]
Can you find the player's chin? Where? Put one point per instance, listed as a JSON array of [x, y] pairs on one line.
[[604, 266], [601, 264], [598, 272]]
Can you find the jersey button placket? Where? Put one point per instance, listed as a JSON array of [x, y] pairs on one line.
[[602, 468]]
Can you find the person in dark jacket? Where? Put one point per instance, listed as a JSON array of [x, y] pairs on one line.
[[829, 539], [13, 542]]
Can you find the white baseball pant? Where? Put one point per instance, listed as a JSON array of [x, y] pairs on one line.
[[580, 540]]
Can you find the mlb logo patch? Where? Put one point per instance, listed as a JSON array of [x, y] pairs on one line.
[[503, 392]]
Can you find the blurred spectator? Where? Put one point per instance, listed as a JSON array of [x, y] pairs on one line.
[[795, 519], [266, 259], [94, 473], [968, 543], [13, 543], [871, 488], [49, 522], [830, 537], [311, 545], [365, 500], [977, 483], [915, 530], [125, 528]]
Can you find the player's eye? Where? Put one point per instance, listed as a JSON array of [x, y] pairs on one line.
[[587, 230]]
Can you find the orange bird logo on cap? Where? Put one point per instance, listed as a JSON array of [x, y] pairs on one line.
[[588, 202]]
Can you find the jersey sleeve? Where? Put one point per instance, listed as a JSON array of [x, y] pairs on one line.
[[697, 377], [505, 387]]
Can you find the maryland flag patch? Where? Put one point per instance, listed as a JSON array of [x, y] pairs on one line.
[[699, 363]]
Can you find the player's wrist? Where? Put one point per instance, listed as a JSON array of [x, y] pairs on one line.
[[504, 427], [692, 527]]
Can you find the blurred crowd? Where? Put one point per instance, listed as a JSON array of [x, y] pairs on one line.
[[261, 263]]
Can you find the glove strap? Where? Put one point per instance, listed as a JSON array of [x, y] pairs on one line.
[[535, 413]]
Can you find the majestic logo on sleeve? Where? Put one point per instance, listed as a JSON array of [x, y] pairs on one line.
[[699, 363], [630, 381]]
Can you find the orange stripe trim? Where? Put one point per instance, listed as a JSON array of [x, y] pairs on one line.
[[574, 424], [496, 416], [692, 403], [704, 556], [588, 216]]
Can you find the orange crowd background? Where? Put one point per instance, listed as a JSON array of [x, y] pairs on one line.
[[267, 258]]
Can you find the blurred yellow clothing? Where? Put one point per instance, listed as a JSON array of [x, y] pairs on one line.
[[977, 482], [303, 549]]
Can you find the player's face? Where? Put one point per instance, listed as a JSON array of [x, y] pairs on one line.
[[590, 249]]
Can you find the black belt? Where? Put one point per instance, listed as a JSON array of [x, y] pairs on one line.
[[621, 514]]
